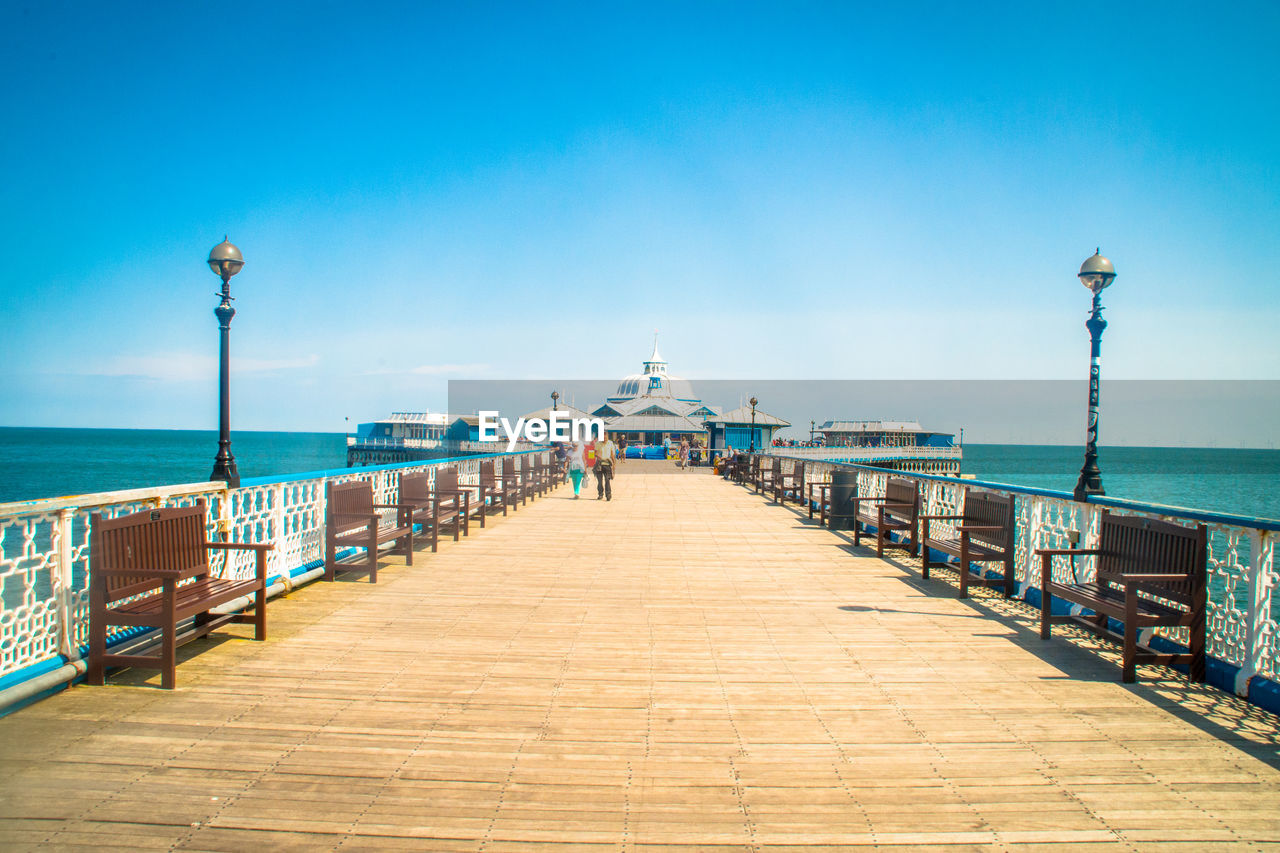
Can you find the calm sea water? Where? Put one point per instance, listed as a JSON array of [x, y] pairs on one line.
[[38, 463]]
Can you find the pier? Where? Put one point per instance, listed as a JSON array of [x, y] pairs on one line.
[[688, 666]]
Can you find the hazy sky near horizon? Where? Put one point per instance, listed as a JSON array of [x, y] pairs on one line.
[[430, 191]]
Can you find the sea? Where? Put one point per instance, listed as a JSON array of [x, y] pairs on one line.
[[46, 462]]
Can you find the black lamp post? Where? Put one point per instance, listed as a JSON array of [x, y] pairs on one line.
[[555, 398], [225, 260], [1096, 273], [752, 437], [812, 424]]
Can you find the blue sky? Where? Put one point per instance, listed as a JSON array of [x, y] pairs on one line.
[[494, 191]]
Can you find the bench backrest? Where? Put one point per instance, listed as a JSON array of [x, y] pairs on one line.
[[486, 473], [1137, 545], [170, 540], [447, 478], [508, 467], [990, 510], [902, 491], [349, 505], [415, 488], [777, 467]]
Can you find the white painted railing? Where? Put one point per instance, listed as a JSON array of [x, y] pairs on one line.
[[1243, 620], [865, 454], [44, 550]]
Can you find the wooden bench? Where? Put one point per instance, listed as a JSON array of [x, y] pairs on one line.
[[493, 490], [151, 569], [899, 509], [351, 519], [819, 498], [511, 479], [766, 475], [438, 506], [984, 535], [1150, 574], [790, 486]]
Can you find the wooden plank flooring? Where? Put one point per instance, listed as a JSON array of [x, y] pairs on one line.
[[686, 666]]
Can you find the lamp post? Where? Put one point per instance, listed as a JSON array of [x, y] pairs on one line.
[[225, 260], [752, 436], [812, 424], [1096, 273], [555, 399]]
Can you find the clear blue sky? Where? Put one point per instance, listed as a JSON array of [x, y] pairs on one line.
[[432, 191]]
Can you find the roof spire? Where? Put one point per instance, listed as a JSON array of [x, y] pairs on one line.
[[656, 358]]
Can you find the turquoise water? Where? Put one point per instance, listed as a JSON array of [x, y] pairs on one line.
[[1241, 482], [38, 463], [41, 463]]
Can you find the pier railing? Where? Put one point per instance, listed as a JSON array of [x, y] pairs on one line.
[[44, 554], [1243, 619]]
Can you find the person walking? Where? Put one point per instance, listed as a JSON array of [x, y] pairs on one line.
[[606, 458], [577, 462], [684, 455]]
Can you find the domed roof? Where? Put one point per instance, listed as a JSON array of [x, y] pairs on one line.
[[654, 384]]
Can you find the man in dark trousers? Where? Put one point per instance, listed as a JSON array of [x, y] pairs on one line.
[[606, 458]]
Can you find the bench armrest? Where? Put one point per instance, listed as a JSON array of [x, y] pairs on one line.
[[393, 506], [936, 517], [966, 528], [453, 491], [860, 500]]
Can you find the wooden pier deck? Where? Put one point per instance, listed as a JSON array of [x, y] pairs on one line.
[[685, 667]]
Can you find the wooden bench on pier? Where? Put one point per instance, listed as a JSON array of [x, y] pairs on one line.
[[352, 519], [151, 569], [766, 476], [899, 509], [818, 497], [512, 479], [493, 490], [790, 486], [983, 535], [445, 504], [1150, 574]]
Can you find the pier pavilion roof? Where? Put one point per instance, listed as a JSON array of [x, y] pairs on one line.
[[742, 416]]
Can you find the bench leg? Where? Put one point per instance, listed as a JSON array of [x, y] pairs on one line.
[[964, 566], [1046, 597], [371, 552], [169, 638], [330, 553], [1129, 672], [97, 630], [408, 547], [260, 614], [1008, 576]]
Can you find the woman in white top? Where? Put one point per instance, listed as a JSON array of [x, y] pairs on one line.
[[577, 466]]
